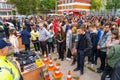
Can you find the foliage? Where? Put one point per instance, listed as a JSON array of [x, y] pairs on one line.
[[32, 6], [113, 4], [96, 4]]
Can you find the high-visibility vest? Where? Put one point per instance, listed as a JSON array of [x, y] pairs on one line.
[[7, 70]]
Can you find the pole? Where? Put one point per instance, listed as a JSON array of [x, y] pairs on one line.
[[55, 6]]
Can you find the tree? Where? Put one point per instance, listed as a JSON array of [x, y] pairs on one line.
[[32, 6], [113, 4], [96, 4]]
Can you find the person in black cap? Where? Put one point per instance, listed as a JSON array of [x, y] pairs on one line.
[[7, 70]]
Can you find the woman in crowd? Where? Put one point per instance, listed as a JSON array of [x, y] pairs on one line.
[[74, 42], [69, 39], [60, 37], [34, 38], [14, 41], [111, 41], [50, 40]]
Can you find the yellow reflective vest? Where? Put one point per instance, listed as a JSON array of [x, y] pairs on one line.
[[7, 70]]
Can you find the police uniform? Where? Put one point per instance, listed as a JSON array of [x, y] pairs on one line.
[[7, 70]]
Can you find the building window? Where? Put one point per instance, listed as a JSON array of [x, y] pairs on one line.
[[0, 5], [3, 5], [72, 1], [67, 7], [63, 7], [69, 1], [72, 6]]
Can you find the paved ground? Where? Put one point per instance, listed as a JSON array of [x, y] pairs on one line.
[[66, 65]]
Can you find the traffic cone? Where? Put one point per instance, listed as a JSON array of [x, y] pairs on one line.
[[50, 65], [45, 60], [57, 74], [47, 76], [69, 77]]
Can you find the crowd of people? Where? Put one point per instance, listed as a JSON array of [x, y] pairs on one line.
[[77, 39]]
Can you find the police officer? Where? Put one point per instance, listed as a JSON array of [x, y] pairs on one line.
[[7, 69]]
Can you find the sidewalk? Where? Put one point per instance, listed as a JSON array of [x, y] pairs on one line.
[[66, 65]]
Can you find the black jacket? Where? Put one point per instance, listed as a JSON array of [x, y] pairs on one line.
[[94, 40], [84, 43]]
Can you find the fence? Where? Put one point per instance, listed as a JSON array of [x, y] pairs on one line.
[[105, 12]]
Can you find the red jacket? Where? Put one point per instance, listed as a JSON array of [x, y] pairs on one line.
[[55, 27], [118, 21]]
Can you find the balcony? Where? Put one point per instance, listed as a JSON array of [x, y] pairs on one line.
[[4, 6]]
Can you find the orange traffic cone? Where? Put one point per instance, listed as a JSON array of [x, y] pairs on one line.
[[50, 65], [57, 74], [45, 60], [47, 76], [69, 77]]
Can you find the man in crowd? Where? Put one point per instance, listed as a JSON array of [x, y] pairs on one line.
[[83, 46], [102, 46], [44, 35]]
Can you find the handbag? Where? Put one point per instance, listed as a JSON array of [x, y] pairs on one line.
[[74, 51]]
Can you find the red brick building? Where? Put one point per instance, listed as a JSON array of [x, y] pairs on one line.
[[81, 5]]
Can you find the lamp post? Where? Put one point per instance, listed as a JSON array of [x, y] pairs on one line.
[[56, 1]]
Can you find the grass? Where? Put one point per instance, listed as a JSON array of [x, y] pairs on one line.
[[91, 69], [75, 78], [55, 59]]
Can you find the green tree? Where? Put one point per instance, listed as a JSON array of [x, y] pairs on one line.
[[32, 6], [113, 4], [96, 4]]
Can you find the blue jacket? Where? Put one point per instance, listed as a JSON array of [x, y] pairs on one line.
[[103, 40], [25, 35], [93, 36], [80, 23], [99, 34]]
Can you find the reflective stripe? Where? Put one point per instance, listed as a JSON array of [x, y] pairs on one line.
[[11, 72]]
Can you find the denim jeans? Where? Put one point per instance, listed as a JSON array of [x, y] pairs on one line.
[[80, 60]]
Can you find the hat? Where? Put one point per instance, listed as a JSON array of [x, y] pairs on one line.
[[3, 43]]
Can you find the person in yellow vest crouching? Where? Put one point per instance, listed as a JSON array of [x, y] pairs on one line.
[[7, 70]]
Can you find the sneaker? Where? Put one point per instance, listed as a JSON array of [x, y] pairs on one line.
[[76, 69], [92, 65], [99, 71], [68, 59], [57, 54], [86, 62], [49, 54], [73, 63], [107, 76], [36, 52]]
